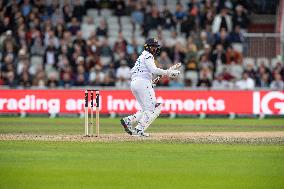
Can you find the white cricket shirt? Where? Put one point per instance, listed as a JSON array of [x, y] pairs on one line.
[[145, 67]]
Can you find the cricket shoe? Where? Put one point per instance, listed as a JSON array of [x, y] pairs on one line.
[[126, 125], [140, 133]]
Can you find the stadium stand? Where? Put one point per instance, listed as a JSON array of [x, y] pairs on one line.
[[47, 44]]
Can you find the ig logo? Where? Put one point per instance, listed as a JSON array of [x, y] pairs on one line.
[[270, 103]]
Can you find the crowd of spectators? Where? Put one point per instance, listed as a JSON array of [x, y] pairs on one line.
[[45, 45]]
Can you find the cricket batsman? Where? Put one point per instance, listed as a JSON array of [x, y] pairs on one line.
[[142, 89]]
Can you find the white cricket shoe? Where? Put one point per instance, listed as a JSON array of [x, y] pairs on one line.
[[126, 125], [137, 132]]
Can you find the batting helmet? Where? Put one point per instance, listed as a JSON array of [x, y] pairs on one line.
[[152, 42]]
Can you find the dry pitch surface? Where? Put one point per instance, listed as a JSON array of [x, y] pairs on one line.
[[273, 137]]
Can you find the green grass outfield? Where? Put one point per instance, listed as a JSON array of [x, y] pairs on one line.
[[138, 164], [72, 165], [47, 126]]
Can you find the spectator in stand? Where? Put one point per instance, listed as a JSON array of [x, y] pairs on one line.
[[102, 30], [92, 61], [80, 41], [122, 75], [67, 40], [222, 20], [279, 68], [57, 17], [277, 83], [227, 76], [119, 8], [21, 38], [131, 59], [207, 52], [179, 52], [206, 6], [180, 14], [52, 81], [188, 22], [137, 15], [236, 36], [67, 13], [262, 76], [5, 25], [172, 40], [168, 20], [110, 76], [152, 20], [51, 40], [59, 30], [121, 44], [26, 8], [240, 18], [164, 60], [78, 10], [104, 49], [25, 79], [91, 4], [134, 47], [88, 29], [66, 80], [246, 83], [92, 46], [9, 46], [250, 70], [50, 56], [7, 63], [207, 19], [233, 56], [206, 71], [11, 80], [22, 62], [202, 40], [118, 57], [220, 84], [82, 76], [97, 77], [263, 81], [204, 80], [218, 57], [74, 26], [222, 38], [39, 80], [191, 57], [204, 62]]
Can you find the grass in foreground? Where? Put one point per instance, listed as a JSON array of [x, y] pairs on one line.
[[40, 165], [33, 125]]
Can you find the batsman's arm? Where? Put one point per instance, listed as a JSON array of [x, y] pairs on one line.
[[173, 67], [152, 66]]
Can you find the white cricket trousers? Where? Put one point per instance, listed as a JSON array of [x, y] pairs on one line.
[[144, 93]]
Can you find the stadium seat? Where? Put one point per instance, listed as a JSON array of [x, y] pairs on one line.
[[274, 62], [92, 12], [262, 60], [248, 60], [36, 62], [125, 20], [236, 70], [106, 13]]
